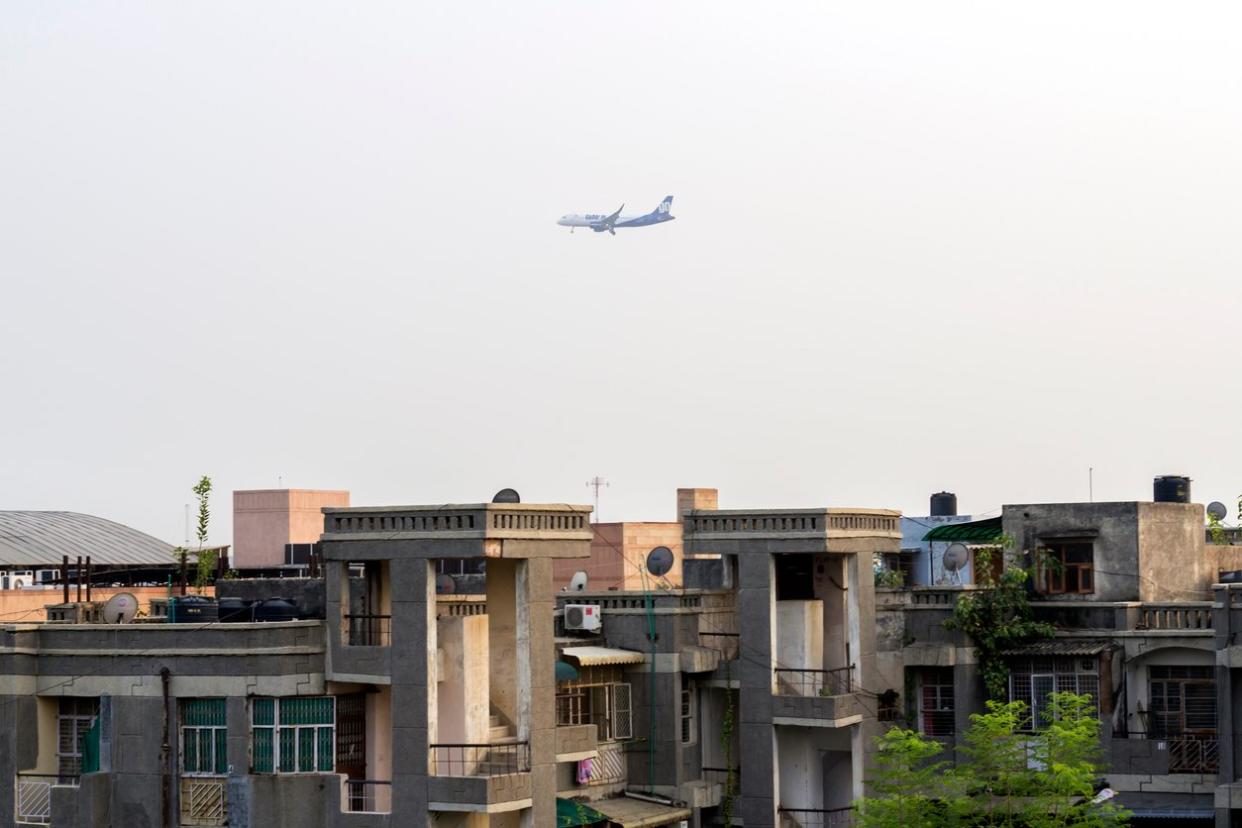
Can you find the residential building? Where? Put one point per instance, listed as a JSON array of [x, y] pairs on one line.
[[276, 528]]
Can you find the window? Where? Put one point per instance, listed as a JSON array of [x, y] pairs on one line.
[[688, 701], [598, 697], [1183, 701], [1069, 568], [293, 735], [936, 702], [204, 737], [1033, 680], [75, 720], [622, 718]]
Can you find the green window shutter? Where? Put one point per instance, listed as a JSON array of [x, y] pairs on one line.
[[189, 750], [287, 758], [263, 759], [263, 712], [222, 751], [203, 713], [327, 744], [90, 749]]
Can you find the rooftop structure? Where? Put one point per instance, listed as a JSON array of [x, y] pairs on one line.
[[31, 539], [268, 522]]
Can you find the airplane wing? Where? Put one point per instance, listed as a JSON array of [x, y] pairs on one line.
[[608, 222]]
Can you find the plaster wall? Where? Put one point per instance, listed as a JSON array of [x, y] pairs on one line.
[[1112, 528], [264, 520], [463, 691], [1175, 563], [800, 635]]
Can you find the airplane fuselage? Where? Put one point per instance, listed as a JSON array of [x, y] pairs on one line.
[[599, 222]]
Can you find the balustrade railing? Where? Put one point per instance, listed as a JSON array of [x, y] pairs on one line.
[[463, 759], [1181, 616], [796, 682], [368, 796]]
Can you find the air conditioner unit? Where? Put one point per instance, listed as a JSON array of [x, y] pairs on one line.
[[582, 617]]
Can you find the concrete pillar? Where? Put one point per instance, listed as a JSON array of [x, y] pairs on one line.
[[505, 645], [756, 606], [414, 675], [536, 619]]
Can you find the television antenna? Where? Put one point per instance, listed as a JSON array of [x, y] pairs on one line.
[[597, 483]]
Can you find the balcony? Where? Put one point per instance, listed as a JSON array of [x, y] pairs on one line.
[[368, 630], [367, 796], [1145, 753], [33, 796], [575, 742], [815, 698], [478, 776]]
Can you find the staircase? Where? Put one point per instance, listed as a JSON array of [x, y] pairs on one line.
[[505, 752]]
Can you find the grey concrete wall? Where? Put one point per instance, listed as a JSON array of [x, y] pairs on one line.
[[1115, 533], [1174, 562]]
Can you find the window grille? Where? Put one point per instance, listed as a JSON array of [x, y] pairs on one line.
[[293, 735]]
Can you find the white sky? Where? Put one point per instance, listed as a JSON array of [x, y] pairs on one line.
[[972, 246]]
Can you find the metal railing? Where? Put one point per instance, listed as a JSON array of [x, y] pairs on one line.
[[815, 817], [368, 796], [32, 801], [1188, 752], [368, 630], [792, 682], [480, 759], [721, 777], [726, 642], [204, 800]]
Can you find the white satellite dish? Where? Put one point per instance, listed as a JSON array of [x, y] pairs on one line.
[[955, 557], [120, 608], [578, 583]]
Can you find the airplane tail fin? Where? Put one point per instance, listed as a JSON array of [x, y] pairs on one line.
[[665, 205]]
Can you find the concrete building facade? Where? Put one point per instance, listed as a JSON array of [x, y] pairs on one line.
[[265, 521]]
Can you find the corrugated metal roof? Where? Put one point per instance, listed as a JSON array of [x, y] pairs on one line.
[[1062, 647], [31, 539], [593, 656], [987, 530]]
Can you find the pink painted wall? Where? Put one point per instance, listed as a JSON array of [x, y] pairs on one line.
[[264, 520]]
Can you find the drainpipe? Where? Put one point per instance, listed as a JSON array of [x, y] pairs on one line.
[[165, 755]]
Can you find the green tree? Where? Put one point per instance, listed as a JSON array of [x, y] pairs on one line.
[[997, 617], [1012, 775], [206, 559], [912, 789]]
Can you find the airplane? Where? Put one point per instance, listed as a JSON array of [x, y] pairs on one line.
[[600, 222]]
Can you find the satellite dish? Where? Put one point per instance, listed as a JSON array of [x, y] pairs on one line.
[[120, 608], [659, 561], [578, 583], [1217, 511], [445, 585], [955, 557], [507, 496]]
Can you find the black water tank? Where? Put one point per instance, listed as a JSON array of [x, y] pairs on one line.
[[276, 609], [943, 504], [194, 609], [234, 610], [1171, 488]]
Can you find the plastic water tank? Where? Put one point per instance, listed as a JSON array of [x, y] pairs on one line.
[[193, 609], [233, 610], [943, 504], [275, 609], [1171, 488]]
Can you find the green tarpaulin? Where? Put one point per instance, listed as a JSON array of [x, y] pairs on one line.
[[90, 749], [976, 531], [569, 814]]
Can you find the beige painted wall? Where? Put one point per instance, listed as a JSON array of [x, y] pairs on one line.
[[464, 691], [264, 520], [800, 635], [1174, 563], [618, 554]]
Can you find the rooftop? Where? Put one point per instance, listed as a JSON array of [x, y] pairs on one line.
[[34, 539]]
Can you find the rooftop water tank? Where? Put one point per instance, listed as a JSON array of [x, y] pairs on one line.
[[234, 610], [275, 609], [1171, 488], [943, 504], [193, 609]]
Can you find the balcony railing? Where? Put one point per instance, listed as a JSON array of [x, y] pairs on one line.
[[728, 643], [815, 817], [368, 796], [33, 796], [837, 682], [368, 630], [501, 759], [1188, 752], [204, 800], [1181, 616]]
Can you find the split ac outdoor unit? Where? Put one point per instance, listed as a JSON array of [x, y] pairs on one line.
[[582, 617]]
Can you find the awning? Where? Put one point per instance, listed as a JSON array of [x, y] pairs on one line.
[[637, 813], [594, 656], [1175, 813], [570, 813], [987, 530], [1062, 647]]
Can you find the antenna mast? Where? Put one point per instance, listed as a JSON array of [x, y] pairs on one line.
[[597, 483]]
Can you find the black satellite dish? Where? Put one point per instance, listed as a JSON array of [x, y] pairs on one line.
[[659, 561], [1217, 510], [507, 496]]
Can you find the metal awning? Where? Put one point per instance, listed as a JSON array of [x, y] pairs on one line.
[[987, 530], [638, 813], [595, 656], [1062, 647], [1173, 813]]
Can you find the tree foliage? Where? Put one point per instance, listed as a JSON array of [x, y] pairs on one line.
[[1010, 776], [206, 559], [997, 617]]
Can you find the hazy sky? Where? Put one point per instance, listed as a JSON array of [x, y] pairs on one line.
[[972, 246]]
